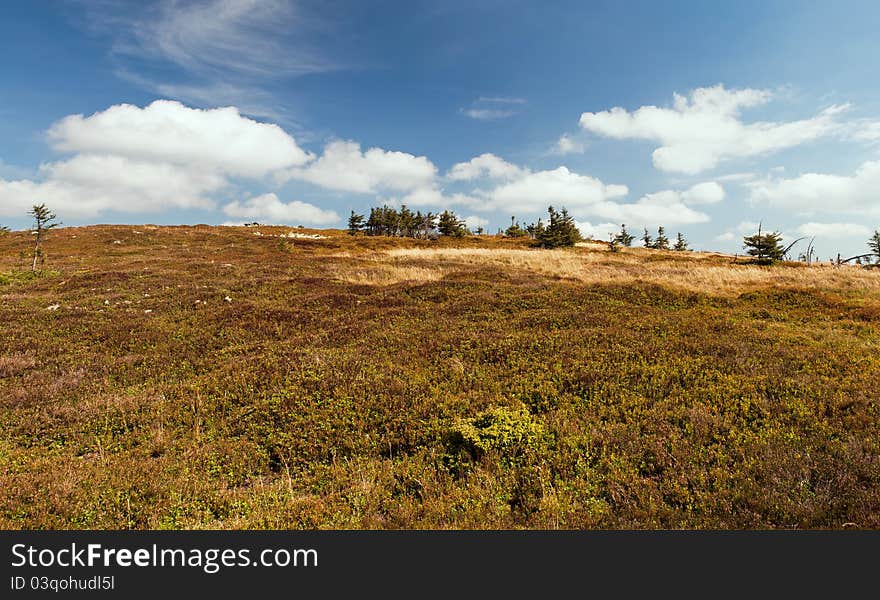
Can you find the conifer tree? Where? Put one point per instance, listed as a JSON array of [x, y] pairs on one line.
[[765, 247], [874, 244], [44, 220], [680, 243], [561, 230], [450, 225], [624, 238], [662, 242], [355, 223]]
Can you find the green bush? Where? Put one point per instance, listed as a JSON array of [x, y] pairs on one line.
[[510, 433]]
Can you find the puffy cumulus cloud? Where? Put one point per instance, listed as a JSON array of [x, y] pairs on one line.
[[659, 208], [818, 192], [163, 156], [474, 222], [833, 230], [484, 165], [743, 228], [87, 185], [521, 191], [600, 231], [708, 192], [567, 145], [532, 192], [268, 207], [344, 167], [219, 139], [704, 128]]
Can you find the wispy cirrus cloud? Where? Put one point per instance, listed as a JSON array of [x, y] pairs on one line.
[[491, 108], [255, 38], [215, 52]]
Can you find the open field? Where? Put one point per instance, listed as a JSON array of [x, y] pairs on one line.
[[211, 377]]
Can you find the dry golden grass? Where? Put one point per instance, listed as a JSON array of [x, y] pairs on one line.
[[385, 274], [697, 272]]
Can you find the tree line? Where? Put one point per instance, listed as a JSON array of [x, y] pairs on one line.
[[559, 231]]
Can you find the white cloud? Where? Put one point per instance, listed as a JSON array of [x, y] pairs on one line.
[[741, 229], [745, 227], [167, 131], [268, 207], [140, 160], [484, 165], [658, 208], [344, 167], [533, 192], [817, 192], [834, 230], [490, 108], [521, 191], [704, 129], [567, 145], [487, 114], [600, 232], [867, 131], [500, 100], [708, 192], [248, 37], [88, 184], [474, 221]]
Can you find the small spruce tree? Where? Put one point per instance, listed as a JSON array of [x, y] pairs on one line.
[[647, 240], [624, 238], [515, 230], [681, 244], [765, 247], [355, 223], [44, 220], [662, 242], [874, 244], [561, 230], [450, 225]]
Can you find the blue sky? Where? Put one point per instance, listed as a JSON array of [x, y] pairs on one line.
[[705, 117]]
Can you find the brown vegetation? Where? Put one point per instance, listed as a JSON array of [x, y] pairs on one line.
[[202, 376]]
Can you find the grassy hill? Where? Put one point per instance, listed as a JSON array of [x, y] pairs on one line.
[[236, 377]]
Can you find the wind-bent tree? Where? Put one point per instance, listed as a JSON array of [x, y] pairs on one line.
[[874, 244], [623, 237], [355, 223], [44, 220], [647, 240], [765, 247], [681, 244]]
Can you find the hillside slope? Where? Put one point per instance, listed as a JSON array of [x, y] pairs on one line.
[[226, 377]]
